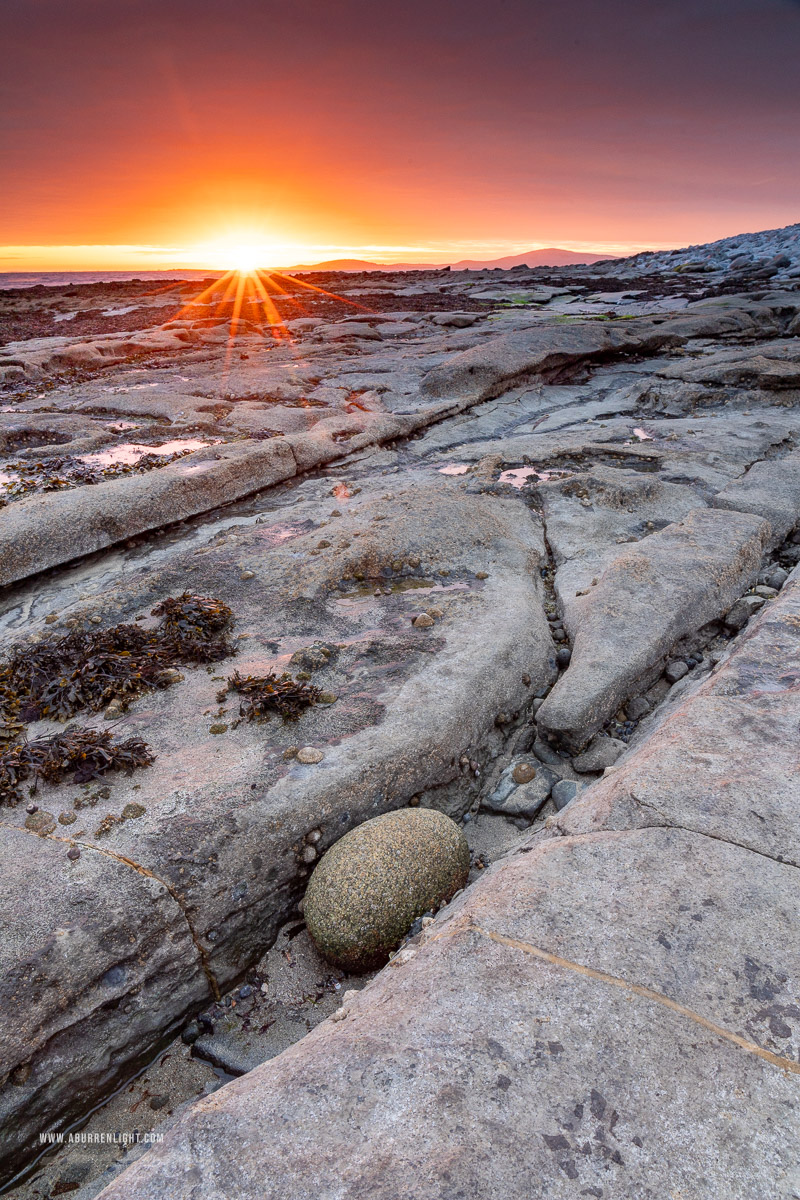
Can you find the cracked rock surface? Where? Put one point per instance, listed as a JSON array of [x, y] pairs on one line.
[[535, 566]]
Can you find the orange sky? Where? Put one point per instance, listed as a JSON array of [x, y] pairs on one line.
[[137, 133]]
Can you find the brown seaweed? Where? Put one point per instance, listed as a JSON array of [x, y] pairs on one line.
[[87, 670], [82, 753], [264, 695]]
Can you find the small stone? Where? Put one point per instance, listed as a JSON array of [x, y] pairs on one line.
[[309, 854], [191, 1033], [537, 704], [247, 575], [564, 791], [314, 836], [526, 679], [769, 593], [503, 718], [115, 710], [523, 773], [218, 727], [326, 698], [96, 619], [481, 574], [776, 578], [563, 656], [423, 621], [169, 676], [413, 561], [404, 956], [67, 818], [676, 670], [73, 854], [545, 753], [309, 755], [637, 708], [245, 991], [523, 801], [601, 752], [738, 616], [32, 808]]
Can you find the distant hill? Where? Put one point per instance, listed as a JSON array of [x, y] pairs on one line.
[[551, 257]]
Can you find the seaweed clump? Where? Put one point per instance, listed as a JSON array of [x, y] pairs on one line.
[[56, 474], [264, 695], [82, 753], [88, 670]]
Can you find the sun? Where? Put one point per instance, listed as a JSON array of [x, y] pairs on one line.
[[245, 259]]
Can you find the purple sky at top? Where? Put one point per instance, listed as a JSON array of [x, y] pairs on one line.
[[351, 122]]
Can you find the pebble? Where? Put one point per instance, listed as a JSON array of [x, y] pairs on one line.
[[637, 708], [769, 593], [776, 578], [73, 853], [741, 612], [423, 621], [247, 575], [676, 670], [309, 755], [481, 575], [563, 791], [115, 710], [191, 1033], [546, 754], [601, 752], [245, 991], [309, 854], [563, 656], [523, 773]]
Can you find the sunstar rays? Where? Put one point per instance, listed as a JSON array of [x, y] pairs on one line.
[[247, 295]]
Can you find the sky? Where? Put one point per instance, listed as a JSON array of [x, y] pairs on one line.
[[162, 133]]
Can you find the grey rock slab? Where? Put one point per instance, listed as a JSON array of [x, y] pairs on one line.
[[93, 950], [771, 489], [651, 595], [226, 816], [47, 530], [723, 762], [614, 1014]]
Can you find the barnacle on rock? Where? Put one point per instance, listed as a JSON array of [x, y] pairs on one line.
[[266, 694], [82, 753], [58, 678]]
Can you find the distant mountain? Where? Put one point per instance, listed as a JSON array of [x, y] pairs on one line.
[[551, 257]]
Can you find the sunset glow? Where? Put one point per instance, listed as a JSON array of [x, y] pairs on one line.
[[155, 137]]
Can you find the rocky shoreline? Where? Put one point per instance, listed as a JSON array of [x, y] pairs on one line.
[[533, 544]]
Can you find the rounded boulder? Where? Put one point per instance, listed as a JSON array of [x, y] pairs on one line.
[[370, 887]]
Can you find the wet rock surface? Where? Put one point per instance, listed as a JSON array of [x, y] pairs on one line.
[[510, 560]]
